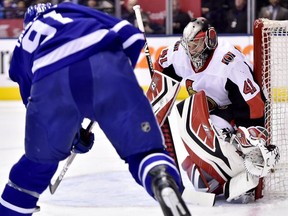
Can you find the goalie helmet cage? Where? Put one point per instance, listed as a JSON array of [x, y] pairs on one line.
[[271, 72]]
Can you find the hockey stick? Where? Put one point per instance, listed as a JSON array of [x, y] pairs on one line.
[[190, 196], [139, 20], [166, 130], [53, 187]]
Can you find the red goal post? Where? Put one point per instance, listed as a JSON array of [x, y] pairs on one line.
[[271, 72]]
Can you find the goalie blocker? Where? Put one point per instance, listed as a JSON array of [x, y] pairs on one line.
[[221, 162], [162, 93]]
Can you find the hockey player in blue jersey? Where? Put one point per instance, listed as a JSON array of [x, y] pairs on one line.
[[72, 62]]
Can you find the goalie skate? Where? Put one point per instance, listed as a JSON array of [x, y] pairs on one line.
[[167, 194]]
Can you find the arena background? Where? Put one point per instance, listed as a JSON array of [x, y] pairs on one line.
[[9, 90]]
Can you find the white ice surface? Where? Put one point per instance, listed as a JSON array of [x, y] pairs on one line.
[[98, 182]]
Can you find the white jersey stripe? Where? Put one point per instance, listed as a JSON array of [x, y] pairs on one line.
[[69, 48], [131, 40], [120, 25], [16, 208]]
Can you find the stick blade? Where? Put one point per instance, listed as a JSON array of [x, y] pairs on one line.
[[53, 187], [198, 198]]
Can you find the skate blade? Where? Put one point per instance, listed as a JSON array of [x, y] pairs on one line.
[[172, 201]]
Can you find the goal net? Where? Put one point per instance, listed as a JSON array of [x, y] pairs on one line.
[[271, 70]]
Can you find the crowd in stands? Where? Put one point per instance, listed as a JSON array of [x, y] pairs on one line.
[[10, 9], [227, 16]]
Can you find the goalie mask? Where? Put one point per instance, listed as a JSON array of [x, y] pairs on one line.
[[199, 38], [34, 11]]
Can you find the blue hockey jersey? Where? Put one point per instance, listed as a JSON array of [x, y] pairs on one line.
[[67, 33]]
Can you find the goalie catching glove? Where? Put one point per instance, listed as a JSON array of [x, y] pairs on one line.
[[259, 159], [259, 156], [83, 141]]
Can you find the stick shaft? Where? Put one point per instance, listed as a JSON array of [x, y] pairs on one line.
[[53, 187], [139, 20], [138, 15]]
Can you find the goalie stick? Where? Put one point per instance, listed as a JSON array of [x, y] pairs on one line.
[[139, 20], [165, 128], [190, 196], [53, 187]]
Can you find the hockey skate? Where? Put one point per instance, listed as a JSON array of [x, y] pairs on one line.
[[167, 194]]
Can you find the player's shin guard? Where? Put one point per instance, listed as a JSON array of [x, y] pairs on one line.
[[27, 181]]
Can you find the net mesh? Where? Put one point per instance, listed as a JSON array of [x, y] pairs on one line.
[[274, 47]]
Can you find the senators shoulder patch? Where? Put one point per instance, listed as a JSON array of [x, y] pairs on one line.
[[176, 46], [228, 57]]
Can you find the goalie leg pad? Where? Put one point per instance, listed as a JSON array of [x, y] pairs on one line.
[[239, 185], [204, 144], [200, 180]]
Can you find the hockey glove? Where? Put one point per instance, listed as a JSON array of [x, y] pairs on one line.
[[259, 156], [83, 141]]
